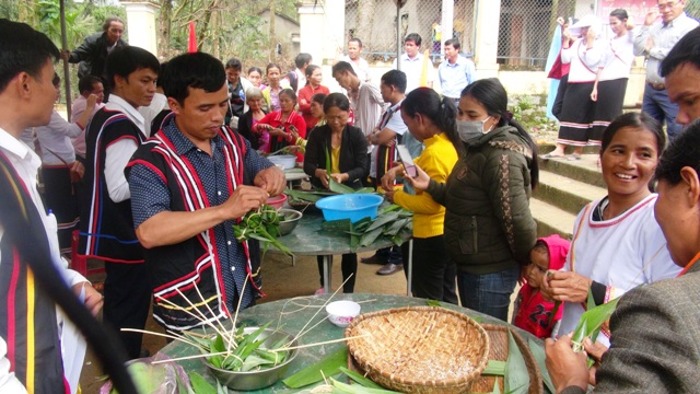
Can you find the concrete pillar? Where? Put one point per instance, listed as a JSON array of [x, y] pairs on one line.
[[312, 24], [141, 24], [334, 34], [447, 23], [487, 23]]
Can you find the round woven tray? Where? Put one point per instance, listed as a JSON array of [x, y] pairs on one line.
[[419, 349], [498, 350]]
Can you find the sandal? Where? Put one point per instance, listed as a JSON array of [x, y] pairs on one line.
[[551, 156], [573, 157]]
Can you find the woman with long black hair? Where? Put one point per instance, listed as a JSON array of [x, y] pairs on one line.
[[430, 120], [489, 230]]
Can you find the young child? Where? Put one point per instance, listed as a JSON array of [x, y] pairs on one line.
[[533, 313]]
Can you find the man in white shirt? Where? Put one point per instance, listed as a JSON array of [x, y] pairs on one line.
[[389, 132], [654, 40], [354, 57], [106, 224], [88, 85], [30, 352], [365, 100], [419, 70], [455, 72]]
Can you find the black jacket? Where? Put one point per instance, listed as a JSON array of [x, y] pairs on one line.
[[92, 55], [353, 154], [488, 224]]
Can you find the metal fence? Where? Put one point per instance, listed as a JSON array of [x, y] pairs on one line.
[[374, 22], [525, 26]]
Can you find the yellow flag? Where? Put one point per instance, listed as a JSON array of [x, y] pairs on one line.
[[425, 70]]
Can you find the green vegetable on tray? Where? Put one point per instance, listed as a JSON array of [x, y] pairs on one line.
[[393, 223], [261, 224]]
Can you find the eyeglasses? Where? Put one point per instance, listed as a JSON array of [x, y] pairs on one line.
[[669, 5]]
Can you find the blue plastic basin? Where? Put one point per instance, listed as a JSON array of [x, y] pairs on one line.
[[349, 206]]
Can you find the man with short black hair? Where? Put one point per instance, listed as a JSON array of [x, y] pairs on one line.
[[681, 69], [88, 85], [354, 57], [297, 77], [663, 26], [190, 183], [365, 100], [419, 70], [30, 349], [106, 224], [237, 86], [455, 72], [92, 53]]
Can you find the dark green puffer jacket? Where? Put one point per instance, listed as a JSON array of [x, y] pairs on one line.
[[488, 224]]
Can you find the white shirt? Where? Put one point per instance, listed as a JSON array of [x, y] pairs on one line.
[[159, 103], [366, 104], [618, 57], [77, 109], [361, 67], [394, 123], [665, 36], [620, 253], [26, 163], [414, 70], [584, 62], [55, 141], [120, 152]]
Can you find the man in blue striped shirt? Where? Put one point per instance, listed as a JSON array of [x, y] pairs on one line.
[[455, 72]]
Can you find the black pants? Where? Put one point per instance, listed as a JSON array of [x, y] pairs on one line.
[[434, 273], [348, 266], [127, 294]]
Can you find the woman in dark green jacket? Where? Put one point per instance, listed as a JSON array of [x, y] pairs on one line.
[[489, 229]]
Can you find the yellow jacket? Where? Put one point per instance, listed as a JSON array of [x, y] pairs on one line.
[[437, 159]]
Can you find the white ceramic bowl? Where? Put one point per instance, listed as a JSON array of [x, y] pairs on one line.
[[286, 162], [341, 313]]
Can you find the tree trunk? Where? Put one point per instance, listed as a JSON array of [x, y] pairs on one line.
[[204, 30], [365, 20], [164, 28], [273, 37]]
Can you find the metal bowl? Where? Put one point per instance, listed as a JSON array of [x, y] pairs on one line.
[[255, 380], [290, 221]]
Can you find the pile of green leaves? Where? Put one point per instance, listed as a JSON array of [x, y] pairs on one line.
[[392, 223], [242, 352], [262, 224]]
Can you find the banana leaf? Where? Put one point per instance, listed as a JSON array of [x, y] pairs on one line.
[[357, 388], [495, 367], [359, 379], [590, 323], [200, 385], [328, 366], [538, 352], [517, 379]]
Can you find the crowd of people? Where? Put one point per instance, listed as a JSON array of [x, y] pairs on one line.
[[152, 178]]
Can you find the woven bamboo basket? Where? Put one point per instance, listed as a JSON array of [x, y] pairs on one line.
[[419, 349], [498, 350]]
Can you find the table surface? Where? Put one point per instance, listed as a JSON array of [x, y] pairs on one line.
[[292, 315], [308, 239]]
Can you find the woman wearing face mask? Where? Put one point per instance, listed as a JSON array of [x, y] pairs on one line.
[[489, 230]]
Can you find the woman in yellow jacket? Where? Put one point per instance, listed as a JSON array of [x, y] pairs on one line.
[[430, 120]]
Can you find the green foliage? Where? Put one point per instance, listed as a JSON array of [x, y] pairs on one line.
[[531, 112]]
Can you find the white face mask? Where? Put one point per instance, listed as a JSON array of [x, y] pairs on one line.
[[469, 129]]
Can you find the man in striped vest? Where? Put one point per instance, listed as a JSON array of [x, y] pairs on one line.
[[30, 351], [190, 182]]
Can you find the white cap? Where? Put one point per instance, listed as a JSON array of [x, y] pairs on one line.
[[586, 21]]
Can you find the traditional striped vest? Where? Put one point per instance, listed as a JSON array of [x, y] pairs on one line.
[[191, 269], [27, 315]]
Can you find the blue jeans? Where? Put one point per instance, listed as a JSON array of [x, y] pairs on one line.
[[658, 106], [489, 293]]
